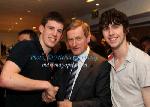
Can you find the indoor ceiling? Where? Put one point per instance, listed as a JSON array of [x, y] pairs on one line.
[[16, 15]]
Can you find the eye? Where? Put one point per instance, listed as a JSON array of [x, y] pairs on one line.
[[105, 28], [70, 39], [60, 31], [50, 27], [78, 38]]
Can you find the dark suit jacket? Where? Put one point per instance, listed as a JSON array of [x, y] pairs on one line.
[[92, 87]]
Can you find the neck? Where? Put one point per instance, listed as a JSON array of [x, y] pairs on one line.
[[46, 51], [121, 52]]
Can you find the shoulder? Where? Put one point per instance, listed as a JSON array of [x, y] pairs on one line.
[[140, 56], [95, 57], [24, 44], [140, 61], [21, 53], [24, 48]]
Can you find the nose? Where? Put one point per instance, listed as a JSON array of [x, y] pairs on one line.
[[111, 32], [74, 42], [54, 32]]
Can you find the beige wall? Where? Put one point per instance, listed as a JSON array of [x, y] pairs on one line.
[[129, 7]]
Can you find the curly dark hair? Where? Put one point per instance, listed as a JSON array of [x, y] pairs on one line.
[[113, 16]]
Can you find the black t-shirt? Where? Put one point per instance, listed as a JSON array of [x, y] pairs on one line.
[[30, 58]]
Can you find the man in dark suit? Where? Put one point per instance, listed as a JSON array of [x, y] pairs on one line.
[[90, 85]]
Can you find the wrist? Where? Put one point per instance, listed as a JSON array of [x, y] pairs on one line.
[[46, 85]]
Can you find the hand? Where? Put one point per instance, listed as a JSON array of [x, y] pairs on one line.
[[46, 98], [49, 94], [65, 103]]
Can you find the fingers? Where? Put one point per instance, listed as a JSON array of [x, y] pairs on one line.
[[56, 88], [49, 94], [47, 98], [52, 91]]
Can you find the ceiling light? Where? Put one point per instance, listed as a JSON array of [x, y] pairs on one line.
[[88, 1], [29, 11], [9, 29], [33, 27], [97, 4], [16, 23], [20, 18], [73, 18]]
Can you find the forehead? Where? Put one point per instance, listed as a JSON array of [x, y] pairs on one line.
[[24, 35], [75, 32], [54, 23], [111, 24]]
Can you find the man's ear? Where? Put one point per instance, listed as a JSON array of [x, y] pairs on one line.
[[41, 28], [88, 38], [126, 30]]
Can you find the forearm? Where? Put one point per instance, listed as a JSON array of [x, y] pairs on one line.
[[19, 82], [146, 96]]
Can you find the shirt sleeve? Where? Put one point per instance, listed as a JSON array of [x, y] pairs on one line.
[[20, 53], [144, 71]]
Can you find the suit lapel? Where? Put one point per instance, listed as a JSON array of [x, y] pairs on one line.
[[84, 72]]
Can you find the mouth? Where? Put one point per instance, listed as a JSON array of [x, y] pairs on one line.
[[113, 39], [75, 49], [52, 39]]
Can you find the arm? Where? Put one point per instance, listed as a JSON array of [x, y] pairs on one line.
[[10, 78], [146, 96], [17, 59], [144, 79]]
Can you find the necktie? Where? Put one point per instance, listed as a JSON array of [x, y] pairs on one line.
[[71, 79]]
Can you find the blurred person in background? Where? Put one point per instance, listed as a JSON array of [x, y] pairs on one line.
[[27, 34], [97, 47], [145, 43]]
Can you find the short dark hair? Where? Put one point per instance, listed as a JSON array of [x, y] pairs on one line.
[[52, 16], [30, 32], [114, 16]]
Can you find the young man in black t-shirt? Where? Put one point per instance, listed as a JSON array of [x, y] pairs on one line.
[[27, 71]]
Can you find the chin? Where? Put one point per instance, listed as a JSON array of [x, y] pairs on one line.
[[113, 45], [76, 53], [52, 44]]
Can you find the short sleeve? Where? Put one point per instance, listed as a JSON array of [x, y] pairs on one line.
[[144, 71], [20, 53]]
